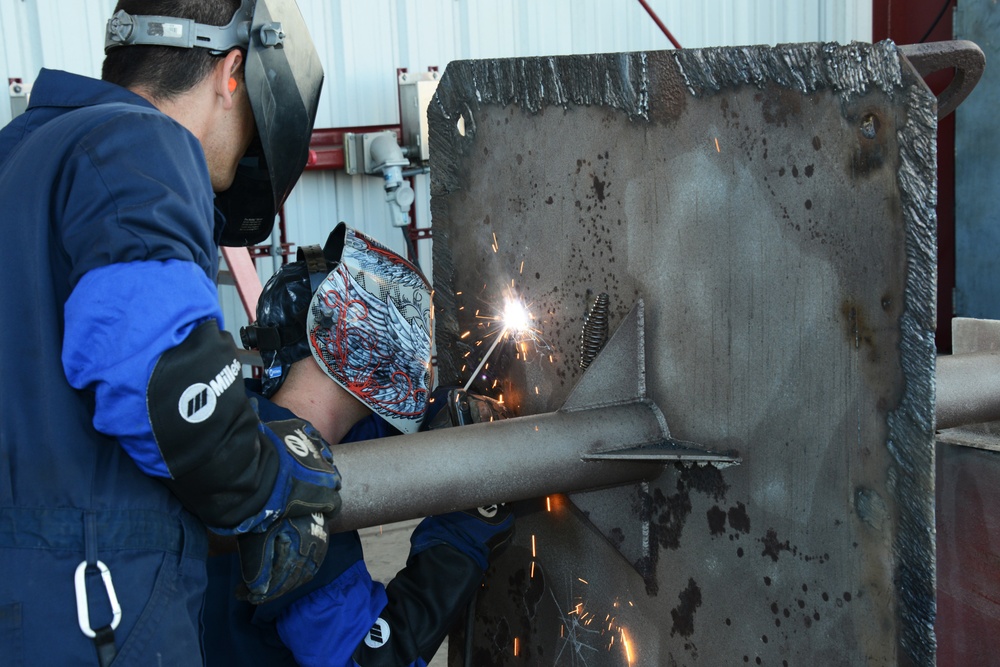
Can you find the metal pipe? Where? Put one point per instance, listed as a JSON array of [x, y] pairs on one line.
[[440, 471], [968, 389]]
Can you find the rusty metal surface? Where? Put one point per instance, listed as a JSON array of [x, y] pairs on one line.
[[774, 209], [964, 56], [968, 538]]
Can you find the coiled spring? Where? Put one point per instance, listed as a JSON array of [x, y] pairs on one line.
[[595, 330]]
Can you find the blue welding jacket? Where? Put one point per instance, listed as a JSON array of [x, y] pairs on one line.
[[106, 202]]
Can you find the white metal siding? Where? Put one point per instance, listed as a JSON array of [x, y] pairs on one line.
[[362, 43]]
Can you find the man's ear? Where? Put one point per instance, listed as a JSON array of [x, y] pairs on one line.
[[227, 78]]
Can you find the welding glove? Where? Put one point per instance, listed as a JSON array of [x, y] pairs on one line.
[[448, 557], [283, 545]]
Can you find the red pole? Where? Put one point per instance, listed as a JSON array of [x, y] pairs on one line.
[[658, 22]]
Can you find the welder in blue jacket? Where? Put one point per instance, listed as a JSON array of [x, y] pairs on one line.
[[123, 430], [345, 337]]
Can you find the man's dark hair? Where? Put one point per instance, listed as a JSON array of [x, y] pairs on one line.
[[166, 71]]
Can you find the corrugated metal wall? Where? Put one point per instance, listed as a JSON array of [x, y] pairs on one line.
[[362, 44]]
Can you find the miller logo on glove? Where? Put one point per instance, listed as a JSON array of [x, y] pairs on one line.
[[284, 544]]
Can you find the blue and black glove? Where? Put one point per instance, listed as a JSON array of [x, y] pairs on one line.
[[284, 544]]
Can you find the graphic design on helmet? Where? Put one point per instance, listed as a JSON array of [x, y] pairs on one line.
[[370, 325]]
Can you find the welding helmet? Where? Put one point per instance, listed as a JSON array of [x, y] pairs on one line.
[[283, 78], [365, 315]]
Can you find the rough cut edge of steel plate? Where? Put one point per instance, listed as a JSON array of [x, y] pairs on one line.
[[621, 81]]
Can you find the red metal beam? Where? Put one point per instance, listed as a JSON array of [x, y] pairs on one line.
[[910, 22], [326, 147], [245, 278]]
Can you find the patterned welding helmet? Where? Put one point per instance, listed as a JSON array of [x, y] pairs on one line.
[[370, 324]]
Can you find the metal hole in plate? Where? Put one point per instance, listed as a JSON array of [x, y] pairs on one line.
[[869, 126]]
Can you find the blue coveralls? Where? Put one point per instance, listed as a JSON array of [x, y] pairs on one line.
[[110, 257]]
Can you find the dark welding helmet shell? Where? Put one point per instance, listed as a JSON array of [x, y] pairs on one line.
[[279, 332], [280, 329], [284, 78]]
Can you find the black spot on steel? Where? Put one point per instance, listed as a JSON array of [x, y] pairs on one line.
[[595, 330], [683, 614], [716, 520], [704, 479], [599, 188], [772, 547], [739, 519]]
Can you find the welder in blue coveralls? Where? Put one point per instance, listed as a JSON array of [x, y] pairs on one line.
[[123, 430], [345, 336]]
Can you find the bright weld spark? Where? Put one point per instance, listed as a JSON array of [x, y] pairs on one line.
[[717, 149], [583, 580], [532, 569], [496, 246], [515, 647], [548, 503], [532, 546], [521, 271], [516, 322], [628, 647]]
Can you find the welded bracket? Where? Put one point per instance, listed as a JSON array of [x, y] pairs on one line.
[[618, 376], [964, 56], [624, 514]]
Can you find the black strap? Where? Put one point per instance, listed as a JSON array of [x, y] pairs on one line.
[[316, 264], [274, 338], [104, 639], [105, 643]]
